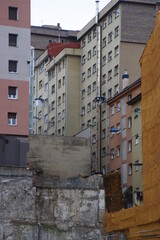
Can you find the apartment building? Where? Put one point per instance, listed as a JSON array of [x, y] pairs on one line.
[[41, 36], [137, 164], [14, 78], [121, 138], [57, 90], [110, 43]]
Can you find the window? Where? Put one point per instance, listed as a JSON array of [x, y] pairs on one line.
[[103, 115], [129, 122], [118, 151], [94, 32], [46, 118], [59, 67], [104, 60], [12, 66], [110, 93], [110, 18], [83, 42], [94, 121], [40, 84], [59, 132], [89, 123], [130, 169], [104, 79], [12, 92], [12, 118], [13, 40], [109, 37], [53, 73], [93, 156], [112, 109], [137, 165], [129, 97], [94, 68], [13, 13], [116, 51], [41, 68], [89, 90], [63, 114], [118, 106], [109, 56], [46, 87], [83, 111], [116, 31], [137, 138], [53, 105], [104, 42], [64, 79], [94, 86], [40, 130], [59, 83], [130, 145], [116, 89], [116, 12], [104, 23], [94, 50], [89, 55], [88, 107], [116, 70], [89, 37], [93, 138], [83, 77], [103, 152], [59, 100], [63, 97], [62, 131], [89, 72], [103, 133], [40, 115], [46, 102], [112, 153], [64, 63], [93, 104], [119, 128], [109, 75], [112, 133], [83, 93], [59, 117], [136, 112], [53, 88]]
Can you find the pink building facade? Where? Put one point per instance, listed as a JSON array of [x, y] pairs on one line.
[[14, 67], [120, 136]]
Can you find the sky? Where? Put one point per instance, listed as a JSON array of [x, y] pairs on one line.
[[71, 14]]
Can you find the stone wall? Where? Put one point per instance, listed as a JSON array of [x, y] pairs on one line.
[[34, 212]]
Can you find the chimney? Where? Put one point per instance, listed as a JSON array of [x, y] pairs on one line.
[[97, 10], [125, 79]]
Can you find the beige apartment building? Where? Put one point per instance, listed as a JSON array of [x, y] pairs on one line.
[[137, 164], [57, 90], [110, 43]]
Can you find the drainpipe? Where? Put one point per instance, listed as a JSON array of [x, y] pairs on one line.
[[98, 88]]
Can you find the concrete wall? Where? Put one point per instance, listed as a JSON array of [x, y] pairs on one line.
[[63, 157], [29, 213]]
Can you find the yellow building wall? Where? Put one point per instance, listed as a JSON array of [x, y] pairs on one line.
[[143, 221]]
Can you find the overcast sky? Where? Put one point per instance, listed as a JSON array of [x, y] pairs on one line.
[[71, 14]]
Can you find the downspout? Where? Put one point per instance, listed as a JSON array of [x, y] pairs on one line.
[[98, 88]]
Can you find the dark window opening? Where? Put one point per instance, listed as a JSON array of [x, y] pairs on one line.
[[12, 66], [13, 13], [13, 40]]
